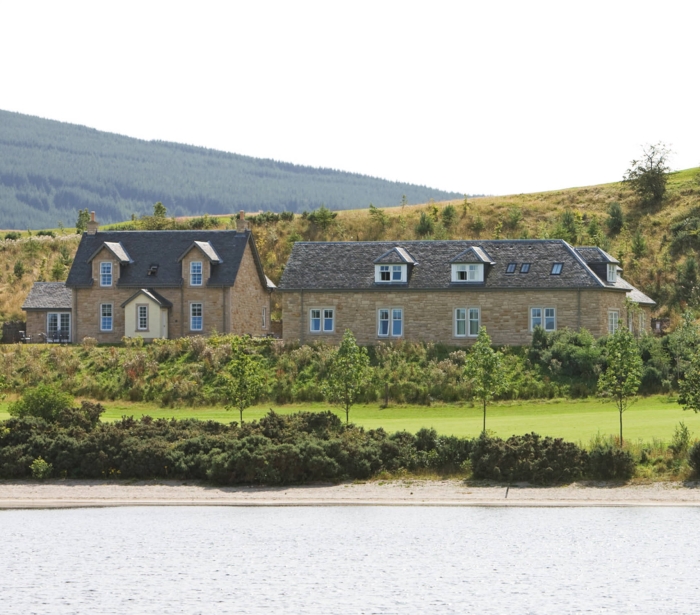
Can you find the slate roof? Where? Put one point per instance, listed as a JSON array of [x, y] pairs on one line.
[[350, 265], [205, 247], [472, 255], [151, 294], [115, 248], [163, 248], [397, 256], [49, 296], [594, 255]]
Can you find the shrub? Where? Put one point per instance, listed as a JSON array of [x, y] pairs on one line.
[[287, 216], [13, 236], [694, 458], [449, 216], [45, 401], [527, 458], [425, 226], [46, 234], [616, 219], [680, 443], [607, 462], [40, 469], [18, 269]]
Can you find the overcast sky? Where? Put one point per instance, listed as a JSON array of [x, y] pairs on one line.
[[476, 97]]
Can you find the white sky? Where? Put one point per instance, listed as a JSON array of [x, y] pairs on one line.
[[478, 97]]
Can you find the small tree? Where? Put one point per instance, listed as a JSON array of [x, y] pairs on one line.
[[689, 387], [483, 368], [323, 217], [82, 221], [349, 374], [378, 216], [648, 175], [18, 269], [449, 216], [623, 375], [245, 379], [616, 219], [426, 224], [159, 210], [58, 271]]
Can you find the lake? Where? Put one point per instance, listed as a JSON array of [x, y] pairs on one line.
[[349, 560]]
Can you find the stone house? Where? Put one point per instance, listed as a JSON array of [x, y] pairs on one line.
[[159, 284], [49, 307], [444, 291]]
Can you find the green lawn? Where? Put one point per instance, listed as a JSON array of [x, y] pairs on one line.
[[576, 420]]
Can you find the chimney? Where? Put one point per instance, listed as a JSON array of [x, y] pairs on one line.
[[241, 224], [92, 225]]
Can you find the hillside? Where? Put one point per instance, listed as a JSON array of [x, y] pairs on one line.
[[658, 248], [49, 170]]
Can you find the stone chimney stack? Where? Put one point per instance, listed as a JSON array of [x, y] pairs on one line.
[[92, 225], [241, 223]]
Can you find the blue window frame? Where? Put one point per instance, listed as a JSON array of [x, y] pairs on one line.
[[196, 317], [195, 273], [105, 274], [106, 317]]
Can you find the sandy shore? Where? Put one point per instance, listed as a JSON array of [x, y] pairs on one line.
[[79, 494]]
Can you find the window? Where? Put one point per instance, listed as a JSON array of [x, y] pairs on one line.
[[105, 274], [390, 273], [390, 322], [106, 319], [474, 321], [328, 324], [315, 321], [467, 322], [322, 320], [195, 273], [613, 321], [142, 317], [196, 317], [556, 268], [612, 273], [264, 318], [525, 268], [543, 317], [642, 323], [460, 322], [472, 272], [511, 267], [57, 323]]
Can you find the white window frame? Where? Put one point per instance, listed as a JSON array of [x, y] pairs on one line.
[[106, 273], [143, 306], [59, 317], [613, 321], [391, 270], [102, 317], [322, 319], [543, 317], [194, 273], [467, 320], [193, 316], [466, 273], [612, 273], [391, 320]]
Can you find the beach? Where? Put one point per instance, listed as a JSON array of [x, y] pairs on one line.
[[408, 492]]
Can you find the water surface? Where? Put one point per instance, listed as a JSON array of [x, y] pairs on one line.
[[349, 560]]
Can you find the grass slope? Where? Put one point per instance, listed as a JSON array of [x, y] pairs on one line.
[[536, 215], [578, 421]]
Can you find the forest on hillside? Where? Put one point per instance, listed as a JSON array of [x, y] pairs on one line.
[[49, 170]]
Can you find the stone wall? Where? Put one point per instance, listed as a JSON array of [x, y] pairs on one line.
[[429, 316], [248, 299]]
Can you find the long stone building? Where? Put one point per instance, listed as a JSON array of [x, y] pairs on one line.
[[444, 291]]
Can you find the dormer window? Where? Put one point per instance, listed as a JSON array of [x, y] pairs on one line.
[[195, 273], [384, 274], [556, 268], [511, 267], [612, 273], [468, 272], [105, 274]]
